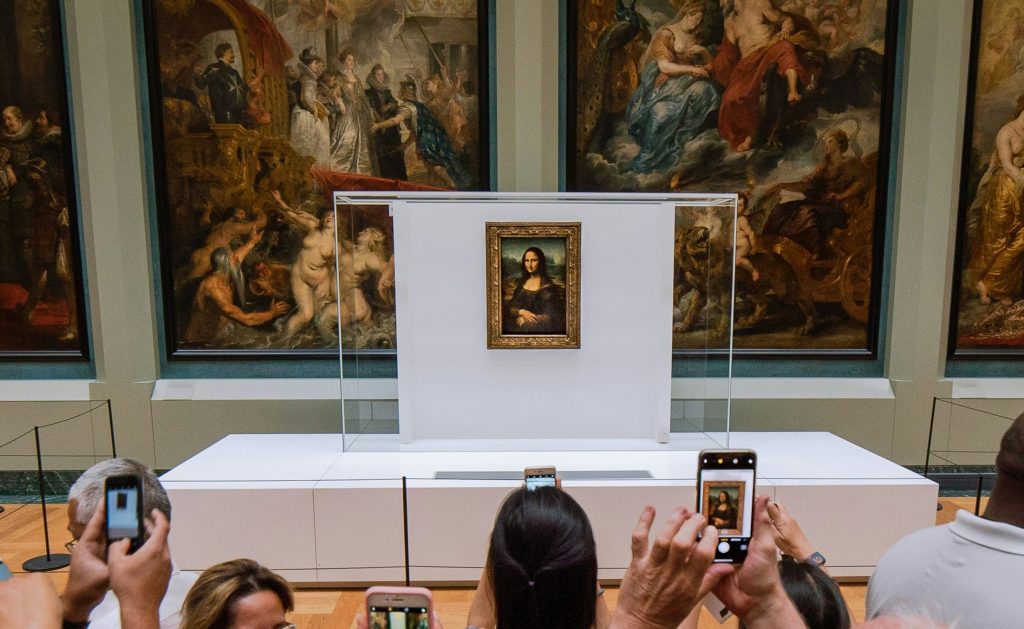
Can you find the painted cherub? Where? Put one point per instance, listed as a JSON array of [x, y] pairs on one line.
[[746, 240]]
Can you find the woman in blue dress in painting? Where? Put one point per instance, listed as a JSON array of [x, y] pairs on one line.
[[675, 94]]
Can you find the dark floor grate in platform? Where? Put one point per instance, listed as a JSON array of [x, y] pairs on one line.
[[564, 475]]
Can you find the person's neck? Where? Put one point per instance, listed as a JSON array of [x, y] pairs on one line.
[[1006, 504]]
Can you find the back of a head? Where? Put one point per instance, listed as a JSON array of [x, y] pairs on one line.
[[815, 595], [88, 489], [543, 562], [1010, 460], [210, 602]]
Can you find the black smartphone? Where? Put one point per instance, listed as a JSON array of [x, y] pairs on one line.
[[535, 477], [725, 496], [124, 510]]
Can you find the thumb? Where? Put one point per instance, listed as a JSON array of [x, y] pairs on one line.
[[118, 550]]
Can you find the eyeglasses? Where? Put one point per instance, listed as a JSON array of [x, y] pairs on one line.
[[285, 626], [71, 545]]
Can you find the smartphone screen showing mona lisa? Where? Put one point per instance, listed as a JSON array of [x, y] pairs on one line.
[[725, 496], [399, 618]]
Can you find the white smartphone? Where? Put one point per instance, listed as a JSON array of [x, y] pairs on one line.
[[539, 477], [399, 608]]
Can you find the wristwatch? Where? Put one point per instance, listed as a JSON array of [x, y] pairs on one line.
[[815, 559]]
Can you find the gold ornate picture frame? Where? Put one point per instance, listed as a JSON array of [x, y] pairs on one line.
[[533, 285], [730, 520]]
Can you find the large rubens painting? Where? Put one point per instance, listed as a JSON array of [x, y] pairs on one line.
[[786, 103], [41, 299], [988, 309], [261, 110]]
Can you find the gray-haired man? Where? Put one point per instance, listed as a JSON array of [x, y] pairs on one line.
[[83, 500]]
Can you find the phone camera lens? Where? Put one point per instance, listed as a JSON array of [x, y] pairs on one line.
[[735, 461]]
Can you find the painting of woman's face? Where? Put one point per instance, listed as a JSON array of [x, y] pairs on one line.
[[723, 498], [530, 262]]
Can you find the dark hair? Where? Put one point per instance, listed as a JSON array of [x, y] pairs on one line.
[[221, 49], [542, 264], [543, 562], [814, 594], [210, 603]]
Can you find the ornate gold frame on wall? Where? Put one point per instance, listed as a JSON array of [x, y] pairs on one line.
[[496, 289]]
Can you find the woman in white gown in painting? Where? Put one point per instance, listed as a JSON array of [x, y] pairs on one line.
[[310, 127], [351, 149]]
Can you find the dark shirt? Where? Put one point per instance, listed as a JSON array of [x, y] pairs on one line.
[[229, 95]]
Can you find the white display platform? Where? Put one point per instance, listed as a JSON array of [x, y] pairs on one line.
[[300, 506]]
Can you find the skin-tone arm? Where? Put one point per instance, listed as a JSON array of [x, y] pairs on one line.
[[789, 537], [679, 69], [481, 610], [88, 578], [254, 238], [666, 579], [393, 121], [1004, 150], [29, 602], [305, 219], [140, 579], [387, 280], [754, 591], [222, 297]]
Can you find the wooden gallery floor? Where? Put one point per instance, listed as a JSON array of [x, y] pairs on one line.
[[21, 537]]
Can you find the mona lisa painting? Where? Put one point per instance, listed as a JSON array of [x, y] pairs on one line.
[[723, 505], [533, 285]]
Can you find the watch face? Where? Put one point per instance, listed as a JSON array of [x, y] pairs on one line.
[[816, 558]]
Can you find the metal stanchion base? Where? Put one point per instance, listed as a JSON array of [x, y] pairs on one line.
[[43, 563]]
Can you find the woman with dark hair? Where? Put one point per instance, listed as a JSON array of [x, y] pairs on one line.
[[237, 593], [537, 305], [541, 567], [814, 593]]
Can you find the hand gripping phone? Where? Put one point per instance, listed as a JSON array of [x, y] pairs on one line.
[[399, 608], [124, 510], [539, 477], [725, 496]]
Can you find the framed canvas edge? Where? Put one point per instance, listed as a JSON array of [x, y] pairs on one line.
[[154, 162], [72, 192], [953, 352], [494, 232], [889, 111]]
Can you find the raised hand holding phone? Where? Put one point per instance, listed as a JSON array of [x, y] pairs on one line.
[[124, 519], [725, 496], [399, 608]]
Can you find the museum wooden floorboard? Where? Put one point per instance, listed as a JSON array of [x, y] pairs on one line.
[[21, 537]]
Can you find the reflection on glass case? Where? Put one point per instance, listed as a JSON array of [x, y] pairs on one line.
[[427, 282]]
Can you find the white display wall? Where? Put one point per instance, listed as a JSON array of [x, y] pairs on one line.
[[616, 385]]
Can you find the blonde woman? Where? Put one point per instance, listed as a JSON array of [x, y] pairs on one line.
[[235, 594]]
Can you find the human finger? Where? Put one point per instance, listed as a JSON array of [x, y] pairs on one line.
[[663, 542], [641, 533], [762, 522], [685, 541]]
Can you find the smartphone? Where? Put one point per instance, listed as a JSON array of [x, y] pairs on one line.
[[399, 608], [725, 496], [539, 477], [124, 510]]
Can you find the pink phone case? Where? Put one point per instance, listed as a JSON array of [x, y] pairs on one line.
[[399, 591]]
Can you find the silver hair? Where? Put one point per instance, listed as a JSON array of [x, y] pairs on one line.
[[88, 489]]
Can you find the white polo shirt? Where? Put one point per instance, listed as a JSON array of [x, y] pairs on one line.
[[107, 615], [970, 572]]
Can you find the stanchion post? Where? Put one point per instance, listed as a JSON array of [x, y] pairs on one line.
[[405, 529], [49, 561], [110, 420]]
